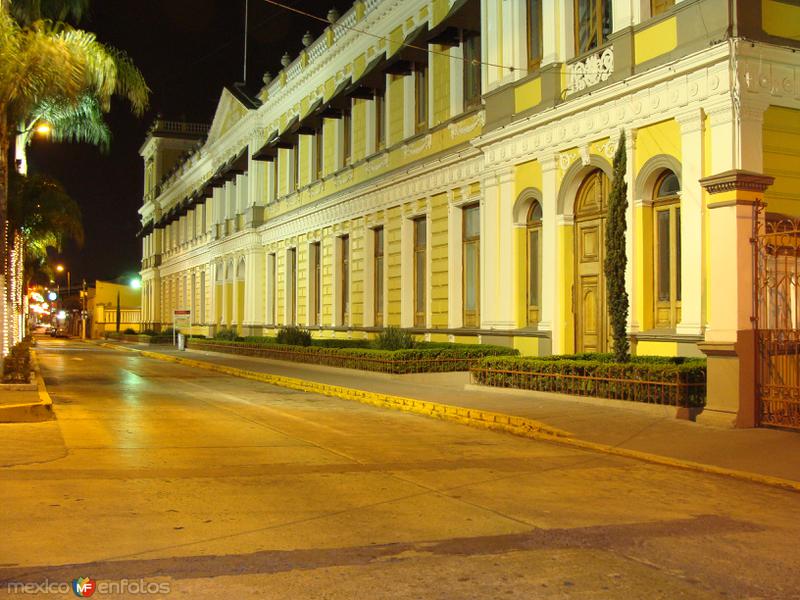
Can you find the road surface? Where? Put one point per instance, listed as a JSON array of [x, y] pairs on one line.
[[209, 486]]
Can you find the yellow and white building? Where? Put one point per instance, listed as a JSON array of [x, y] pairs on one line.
[[443, 165]]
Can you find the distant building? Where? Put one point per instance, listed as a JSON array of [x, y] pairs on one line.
[[451, 175], [101, 306]]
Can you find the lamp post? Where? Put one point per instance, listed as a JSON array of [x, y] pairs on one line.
[[43, 128]]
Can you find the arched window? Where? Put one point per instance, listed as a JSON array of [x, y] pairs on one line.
[[667, 250], [534, 243]]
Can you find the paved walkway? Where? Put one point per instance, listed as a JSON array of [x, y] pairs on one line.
[[656, 430]]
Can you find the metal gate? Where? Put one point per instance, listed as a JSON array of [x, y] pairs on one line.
[[776, 310]]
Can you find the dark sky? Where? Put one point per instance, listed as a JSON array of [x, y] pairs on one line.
[[187, 50]]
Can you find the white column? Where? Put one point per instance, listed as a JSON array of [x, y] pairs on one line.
[[550, 31], [549, 245], [455, 290], [497, 246], [622, 14], [254, 287], [515, 39], [407, 272], [692, 224], [631, 267]]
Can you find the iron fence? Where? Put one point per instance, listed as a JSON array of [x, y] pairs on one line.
[[679, 390], [776, 310]]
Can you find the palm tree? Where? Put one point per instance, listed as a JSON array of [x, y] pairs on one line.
[[45, 215], [48, 66]]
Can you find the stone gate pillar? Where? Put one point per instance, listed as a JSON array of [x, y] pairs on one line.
[[729, 338]]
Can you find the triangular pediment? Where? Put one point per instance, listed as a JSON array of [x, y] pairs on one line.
[[230, 110]]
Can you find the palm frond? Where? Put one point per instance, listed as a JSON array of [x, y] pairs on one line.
[[74, 122], [30, 11]]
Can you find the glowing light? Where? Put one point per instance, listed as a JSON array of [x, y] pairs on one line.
[[60, 268], [62, 314], [43, 128], [52, 296], [37, 297], [136, 283]]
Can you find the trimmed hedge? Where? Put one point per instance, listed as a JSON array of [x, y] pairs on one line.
[[17, 365], [658, 380], [455, 357]]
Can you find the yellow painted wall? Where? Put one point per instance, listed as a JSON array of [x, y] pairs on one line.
[[302, 279], [394, 94], [439, 260], [392, 240], [330, 130], [780, 19], [228, 291], [527, 346], [328, 247], [440, 84], [653, 348], [781, 140], [655, 41], [359, 139], [566, 252], [527, 95], [527, 175], [357, 263], [706, 233], [660, 138], [240, 302], [306, 148], [643, 277]]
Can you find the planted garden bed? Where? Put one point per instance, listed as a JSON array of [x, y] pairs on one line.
[[425, 358], [657, 380]]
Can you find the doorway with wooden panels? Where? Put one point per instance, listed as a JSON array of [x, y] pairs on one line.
[[590, 306]]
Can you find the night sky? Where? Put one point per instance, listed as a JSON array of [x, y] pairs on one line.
[[187, 50]]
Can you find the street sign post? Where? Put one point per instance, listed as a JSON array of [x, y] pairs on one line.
[[180, 318]]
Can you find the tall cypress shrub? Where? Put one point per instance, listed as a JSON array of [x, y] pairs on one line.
[[616, 259]]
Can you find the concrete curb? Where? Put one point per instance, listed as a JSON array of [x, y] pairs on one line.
[[31, 412], [476, 418]]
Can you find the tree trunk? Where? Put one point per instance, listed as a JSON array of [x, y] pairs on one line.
[[4, 143]]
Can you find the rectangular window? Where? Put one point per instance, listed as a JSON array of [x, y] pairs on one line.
[[471, 257], [344, 281], [295, 172], [378, 274], [472, 70], [380, 123], [535, 50], [421, 98], [593, 24], [534, 272], [420, 271], [319, 153], [667, 255], [291, 286], [316, 284], [202, 297]]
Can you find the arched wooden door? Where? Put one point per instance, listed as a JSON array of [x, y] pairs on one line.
[[591, 312]]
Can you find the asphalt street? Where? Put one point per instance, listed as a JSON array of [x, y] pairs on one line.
[[210, 485]]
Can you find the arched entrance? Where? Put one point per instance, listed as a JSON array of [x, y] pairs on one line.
[[591, 313]]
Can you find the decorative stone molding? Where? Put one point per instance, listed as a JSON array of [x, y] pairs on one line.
[[736, 180], [467, 125], [591, 70], [418, 146], [565, 160], [378, 163]]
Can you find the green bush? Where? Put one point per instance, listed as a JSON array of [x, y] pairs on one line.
[[17, 365], [226, 334], [452, 357], [394, 338], [129, 331], [293, 336], [659, 380]]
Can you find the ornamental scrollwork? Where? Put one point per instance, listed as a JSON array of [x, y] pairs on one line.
[[590, 71]]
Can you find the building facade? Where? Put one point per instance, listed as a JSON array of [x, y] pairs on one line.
[[443, 165]]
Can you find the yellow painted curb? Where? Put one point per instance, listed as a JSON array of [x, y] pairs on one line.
[[474, 417]]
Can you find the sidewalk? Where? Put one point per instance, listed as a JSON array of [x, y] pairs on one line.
[[654, 430]]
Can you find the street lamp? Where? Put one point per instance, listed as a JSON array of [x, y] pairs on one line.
[[43, 128]]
